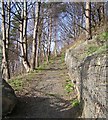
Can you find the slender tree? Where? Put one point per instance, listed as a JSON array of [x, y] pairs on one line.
[[55, 37], [23, 37], [5, 67], [34, 61], [50, 37], [88, 20]]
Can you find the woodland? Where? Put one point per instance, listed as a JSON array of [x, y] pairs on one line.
[[32, 32], [34, 35]]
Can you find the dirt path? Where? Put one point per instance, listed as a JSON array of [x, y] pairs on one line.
[[45, 96]]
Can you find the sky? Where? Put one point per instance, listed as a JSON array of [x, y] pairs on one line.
[[60, 0]]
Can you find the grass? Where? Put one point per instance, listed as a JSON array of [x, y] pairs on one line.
[[30, 76], [97, 45], [51, 61], [97, 49], [41, 67], [69, 86], [91, 49], [102, 49], [102, 45], [75, 103], [104, 36], [17, 84], [62, 57], [20, 81]]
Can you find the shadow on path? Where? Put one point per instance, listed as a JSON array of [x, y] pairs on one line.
[[45, 97], [44, 107], [51, 69]]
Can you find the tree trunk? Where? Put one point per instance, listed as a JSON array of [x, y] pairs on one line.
[[40, 41], [88, 20], [74, 27], [42, 53], [34, 61], [8, 26], [5, 68], [48, 43], [55, 41], [8, 34], [23, 37], [82, 21], [25, 29], [50, 38], [102, 12]]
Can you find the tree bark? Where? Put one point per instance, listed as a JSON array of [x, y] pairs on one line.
[[25, 29], [34, 61], [50, 38], [40, 41], [88, 20], [8, 35], [8, 26], [5, 67], [55, 41], [23, 37]]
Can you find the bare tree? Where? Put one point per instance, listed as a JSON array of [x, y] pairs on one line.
[[33, 28], [55, 38], [88, 20], [5, 68], [50, 37], [34, 61], [23, 37]]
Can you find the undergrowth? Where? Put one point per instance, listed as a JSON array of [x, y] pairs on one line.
[[62, 57], [101, 46], [104, 36], [75, 103], [69, 86], [17, 84]]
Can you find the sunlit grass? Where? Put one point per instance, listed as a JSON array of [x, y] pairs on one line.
[[69, 86], [17, 84], [75, 103]]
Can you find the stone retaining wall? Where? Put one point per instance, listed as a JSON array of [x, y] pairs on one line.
[[90, 77]]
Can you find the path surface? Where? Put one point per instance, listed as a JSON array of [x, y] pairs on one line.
[[45, 96]]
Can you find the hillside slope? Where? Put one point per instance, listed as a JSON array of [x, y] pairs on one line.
[[87, 64]]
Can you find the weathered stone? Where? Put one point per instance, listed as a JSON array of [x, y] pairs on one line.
[[9, 99], [91, 74]]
